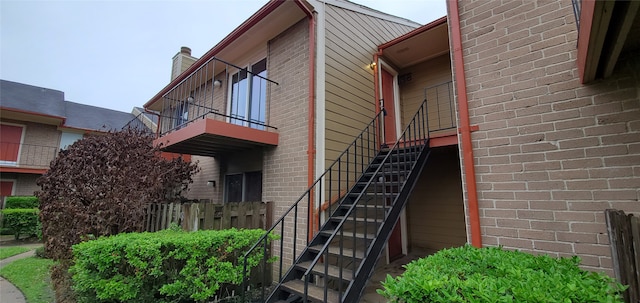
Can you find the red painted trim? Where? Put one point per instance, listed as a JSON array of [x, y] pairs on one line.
[[443, 141], [219, 128], [472, 128], [465, 131], [415, 32], [22, 170], [233, 36], [15, 110], [584, 34], [311, 137]]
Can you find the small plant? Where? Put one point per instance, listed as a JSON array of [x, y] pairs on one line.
[[491, 274], [41, 252], [166, 266]]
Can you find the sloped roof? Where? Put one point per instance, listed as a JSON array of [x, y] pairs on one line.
[[44, 101], [31, 98], [95, 118]]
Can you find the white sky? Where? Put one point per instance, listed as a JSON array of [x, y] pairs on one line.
[[117, 54]]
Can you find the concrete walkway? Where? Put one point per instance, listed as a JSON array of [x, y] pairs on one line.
[[8, 292]]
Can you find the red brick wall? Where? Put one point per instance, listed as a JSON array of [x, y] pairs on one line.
[[551, 154]]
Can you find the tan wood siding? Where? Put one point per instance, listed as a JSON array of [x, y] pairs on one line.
[[435, 211], [351, 40], [426, 74]]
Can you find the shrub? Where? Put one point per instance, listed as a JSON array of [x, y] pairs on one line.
[[5, 230], [468, 274], [21, 202], [166, 266], [22, 221], [41, 253]]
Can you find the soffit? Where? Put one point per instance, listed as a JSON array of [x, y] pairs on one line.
[[420, 47]]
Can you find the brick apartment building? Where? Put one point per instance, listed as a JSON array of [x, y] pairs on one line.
[[37, 122], [554, 118], [503, 123]]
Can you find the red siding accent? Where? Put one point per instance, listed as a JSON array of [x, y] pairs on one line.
[[6, 188], [10, 137], [584, 34]]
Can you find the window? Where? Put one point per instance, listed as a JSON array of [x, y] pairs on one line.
[[181, 114], [243, 187], [248, 98], [10, 139], [69, 138]]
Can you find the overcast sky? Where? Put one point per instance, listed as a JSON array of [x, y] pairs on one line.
[[117, 54]]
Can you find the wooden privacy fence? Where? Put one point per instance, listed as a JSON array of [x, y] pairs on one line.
[[624, 236], [205, 215]]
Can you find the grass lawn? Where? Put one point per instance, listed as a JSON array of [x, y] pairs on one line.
[[6, 252], [31, 276]]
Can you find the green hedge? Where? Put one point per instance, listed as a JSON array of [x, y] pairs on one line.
[[22, 221], [468, 274], [166, 266], [21, 202]]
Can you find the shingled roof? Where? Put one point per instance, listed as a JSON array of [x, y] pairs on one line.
[[45, 101]]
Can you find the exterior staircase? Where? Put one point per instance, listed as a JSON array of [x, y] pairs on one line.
[[368, 186]]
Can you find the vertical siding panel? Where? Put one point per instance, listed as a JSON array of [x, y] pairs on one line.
[[351, 40]]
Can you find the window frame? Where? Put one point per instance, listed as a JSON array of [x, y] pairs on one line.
[[244, 185], [248, 95]]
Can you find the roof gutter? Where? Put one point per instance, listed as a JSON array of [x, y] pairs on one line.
[[311, 138], [415, 32], [464, 127], [233, 36], [16, 110]]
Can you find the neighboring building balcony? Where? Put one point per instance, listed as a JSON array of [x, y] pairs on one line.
[[218, 108], [26, 158]]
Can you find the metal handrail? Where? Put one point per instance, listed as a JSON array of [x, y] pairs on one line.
[[339, 227], [371, 127], [28, 155]]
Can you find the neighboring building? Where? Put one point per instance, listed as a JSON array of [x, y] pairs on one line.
[[36, 123], [533, 130]]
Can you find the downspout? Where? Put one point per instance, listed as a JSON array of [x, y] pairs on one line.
[[464, 128], [159, 120], [311, 136]]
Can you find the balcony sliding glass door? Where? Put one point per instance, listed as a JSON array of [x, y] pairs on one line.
[[248, 98]]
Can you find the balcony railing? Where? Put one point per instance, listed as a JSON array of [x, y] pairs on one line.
[[442, 115], [202, 94], [27, 155]]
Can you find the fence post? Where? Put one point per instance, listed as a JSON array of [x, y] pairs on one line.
[[624, 241]]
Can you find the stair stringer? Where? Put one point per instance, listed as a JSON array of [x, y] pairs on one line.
[[355, 289], [316, 240]]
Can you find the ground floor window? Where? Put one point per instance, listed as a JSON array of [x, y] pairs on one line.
[[243, 187]]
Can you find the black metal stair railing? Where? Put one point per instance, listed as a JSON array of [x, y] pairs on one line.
[[388, 185], [332, 186]]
